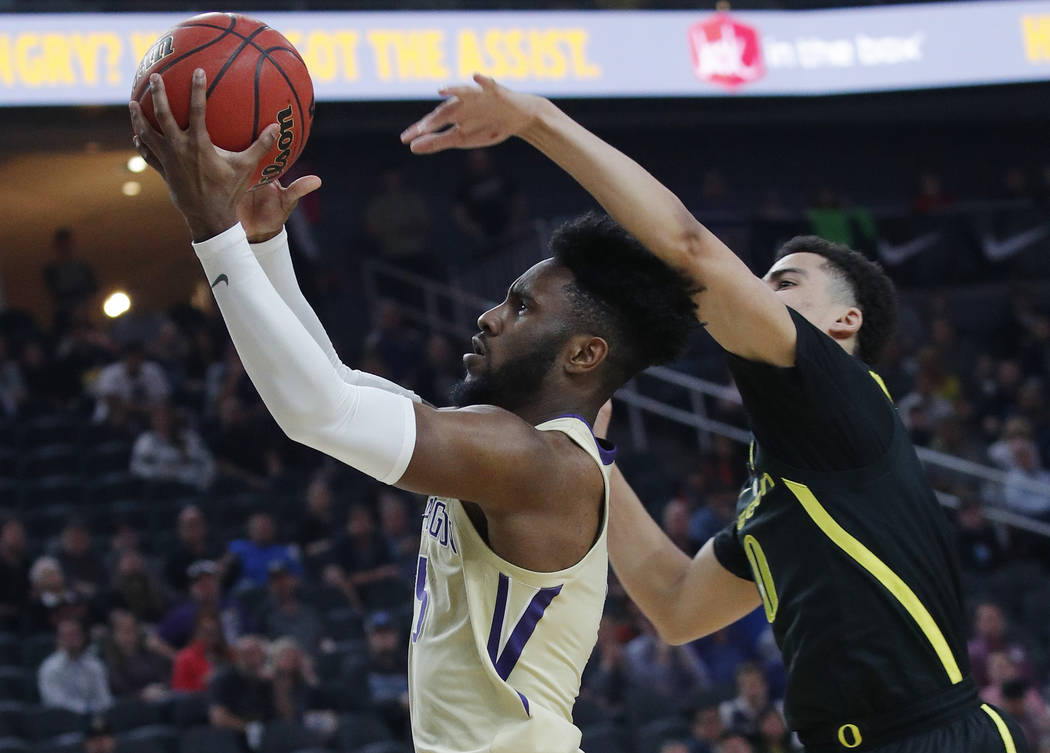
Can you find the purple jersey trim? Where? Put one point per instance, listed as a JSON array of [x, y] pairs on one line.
[[505, 661], [524, 702], [607, 454]]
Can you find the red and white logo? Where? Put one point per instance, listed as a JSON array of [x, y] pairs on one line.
[[726, 52]]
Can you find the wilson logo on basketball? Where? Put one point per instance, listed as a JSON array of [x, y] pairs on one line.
[[158, 51], [284, 143], [726, 52]]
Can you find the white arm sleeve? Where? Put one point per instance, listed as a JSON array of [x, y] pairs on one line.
[[276, 261], [370, 429]]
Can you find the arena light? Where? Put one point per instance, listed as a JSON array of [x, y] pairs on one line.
[[131, 188], [136, 164], [116, 304]]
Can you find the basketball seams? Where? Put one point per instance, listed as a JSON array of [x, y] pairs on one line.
[[225, 31], [295, 95], [229, 61]]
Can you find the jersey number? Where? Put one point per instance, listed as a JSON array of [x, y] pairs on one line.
[[421, 595], [763, 578]]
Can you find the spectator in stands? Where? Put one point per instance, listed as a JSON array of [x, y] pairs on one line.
[[192, 544], [361, 557], [397, 345], [489, 205], [387, 680], [125, 539], [98, 737], [658, 667], [168, 349], [397, 220], [207, 652], [978, 545], [171, 451], [255, 554], [1026, 488], [605, 676], [73, 678], [441, 370], [83, 568], [12, 386], [242, 697], [675, 522], [177, 627], [284, 613], [134, 665], [131, 385], [51, 601], [773, 733], [244, 442], [991, 636], [293, 679], [14, 574], [80, 353], [402, 538], [734, 742], [136, 590], [1007, 689], [706, 727], [70, 281], [931, 196], [1001, 451], [741, 714], [723, 652], [318, 521]]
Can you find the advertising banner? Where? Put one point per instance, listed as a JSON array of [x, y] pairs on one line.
[[63, 59]]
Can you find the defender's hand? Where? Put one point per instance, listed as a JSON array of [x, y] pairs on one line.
[[475, 116], [264, 211], [206, 183]]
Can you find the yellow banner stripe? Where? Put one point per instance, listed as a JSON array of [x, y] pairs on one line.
[[1008, 739], [889, 579]]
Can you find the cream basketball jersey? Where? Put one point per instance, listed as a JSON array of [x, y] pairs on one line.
[[497, 651]]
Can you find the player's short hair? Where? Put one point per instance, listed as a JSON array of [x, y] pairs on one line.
[[623, 293], [871, 288]]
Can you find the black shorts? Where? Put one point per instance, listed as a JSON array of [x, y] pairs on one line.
[[984, 729]]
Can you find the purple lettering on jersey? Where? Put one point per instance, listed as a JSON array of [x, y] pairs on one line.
[[436, 523], [422, 595], [505, 661]]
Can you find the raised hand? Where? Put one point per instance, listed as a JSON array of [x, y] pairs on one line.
[[206, 183], [264, 210], [472, 117]]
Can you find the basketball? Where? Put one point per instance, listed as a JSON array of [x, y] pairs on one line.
[[255, 77]]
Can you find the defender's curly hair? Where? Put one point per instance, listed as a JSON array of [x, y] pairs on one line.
[[623, 293], [872, 290]]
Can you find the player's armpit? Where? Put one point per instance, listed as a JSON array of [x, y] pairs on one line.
[[490, 456], [739, 310]]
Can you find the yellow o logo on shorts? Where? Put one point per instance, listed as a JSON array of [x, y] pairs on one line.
[[854, 738]]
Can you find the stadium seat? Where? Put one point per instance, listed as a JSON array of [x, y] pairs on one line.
[[12, 718], [644, 705], [59, 489], [131, 713], [209, 740], [588, 712], [36, 648], [344, 624], [346, 694], [107, 487], [47, 723], [357, 729], [606, 737], [16, 684], [8, 461], [149, 739], [385, 746], [13, 745], [50, 460], [49, 429], [10, 648], [46, 520], [651, 736], [286, 737], [188, 709], [107, 457]]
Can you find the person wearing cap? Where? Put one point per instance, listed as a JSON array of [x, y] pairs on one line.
[[387, 681], [192, 544], [176, 627], [285, 614]]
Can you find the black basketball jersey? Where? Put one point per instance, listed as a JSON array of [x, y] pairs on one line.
[[845, 540]]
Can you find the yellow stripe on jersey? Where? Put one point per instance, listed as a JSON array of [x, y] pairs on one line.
[[1008, 739], [881, 383], [889, 579]]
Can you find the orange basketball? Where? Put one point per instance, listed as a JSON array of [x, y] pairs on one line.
[[254, 76]]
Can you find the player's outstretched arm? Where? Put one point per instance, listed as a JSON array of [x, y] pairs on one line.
[[684, 598], [738, 309], [485, 455]]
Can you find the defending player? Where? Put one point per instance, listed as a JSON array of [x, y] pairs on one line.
[[837, 527], [510, 584]]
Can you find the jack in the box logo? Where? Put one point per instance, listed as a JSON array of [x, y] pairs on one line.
[[726, 52]]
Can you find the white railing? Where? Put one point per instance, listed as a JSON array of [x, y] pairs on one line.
[[449, 310]]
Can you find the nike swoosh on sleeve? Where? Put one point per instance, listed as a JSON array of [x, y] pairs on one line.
[[221, 278]]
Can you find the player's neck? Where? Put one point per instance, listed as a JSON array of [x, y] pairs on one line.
[[547, 407]]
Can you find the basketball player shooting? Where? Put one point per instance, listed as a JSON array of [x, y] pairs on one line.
[[513, 561], [838, 533]]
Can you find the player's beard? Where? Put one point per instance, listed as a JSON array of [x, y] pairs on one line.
[[513, 384]]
